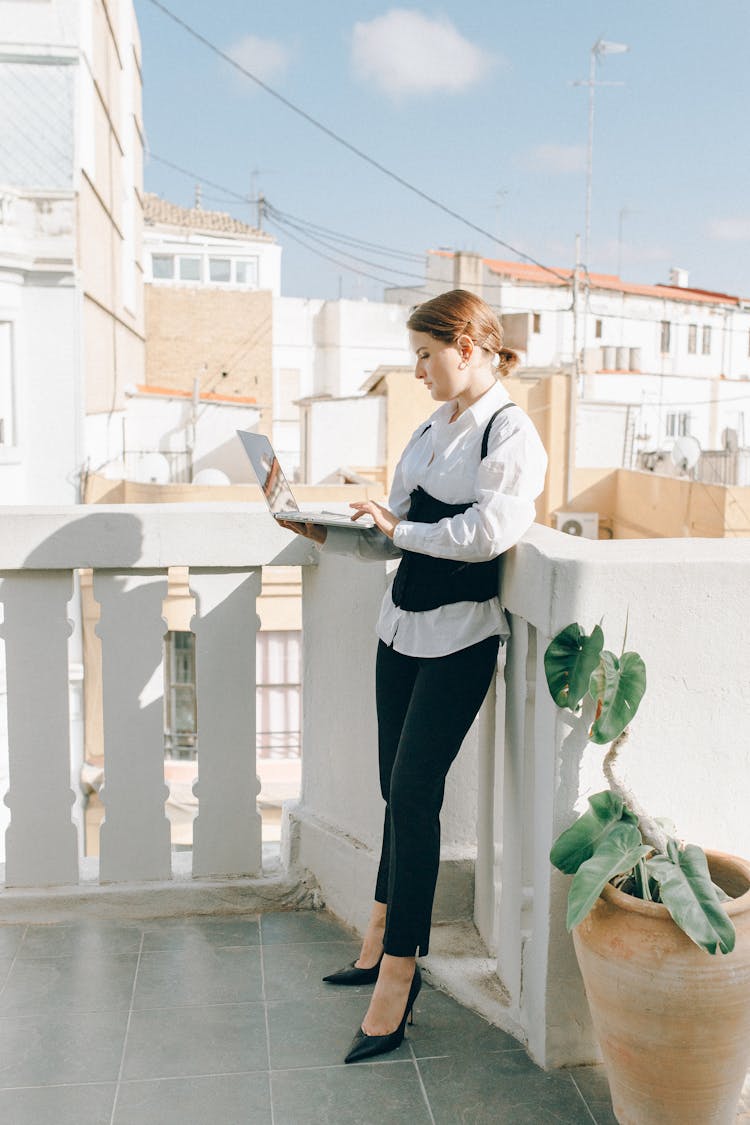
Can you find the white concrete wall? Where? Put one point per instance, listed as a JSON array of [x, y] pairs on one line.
[[344, 432], [600, 435]]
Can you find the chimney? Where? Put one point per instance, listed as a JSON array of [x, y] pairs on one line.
[[467, 271], [678, 278]]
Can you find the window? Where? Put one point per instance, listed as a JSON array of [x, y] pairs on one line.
[[692, 338], [678, 425], [706, 340], [190, 269], [179, 697], [666, 333], [246, 271], [537, 328], [6, 384], [220, 269], [162, 266], [598, 330]]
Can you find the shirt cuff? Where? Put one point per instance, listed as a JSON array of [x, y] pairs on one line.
[[408, 536]]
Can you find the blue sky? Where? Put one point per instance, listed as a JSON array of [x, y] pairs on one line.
[[471, 102]]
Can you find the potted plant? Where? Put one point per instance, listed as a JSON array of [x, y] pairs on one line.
[[661, 929]]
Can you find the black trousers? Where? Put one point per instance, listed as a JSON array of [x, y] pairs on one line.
[[425, 708]]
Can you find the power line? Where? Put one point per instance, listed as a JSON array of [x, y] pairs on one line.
[[346, 144], [194, 176]]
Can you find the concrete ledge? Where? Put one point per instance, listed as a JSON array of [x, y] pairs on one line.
[[180, 896], [345, 869]]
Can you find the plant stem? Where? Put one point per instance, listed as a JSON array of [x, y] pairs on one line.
[[651, 832]]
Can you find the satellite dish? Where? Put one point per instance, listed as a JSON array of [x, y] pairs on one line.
[[730, 440], [685, 453], [152, 468], [211, 477]]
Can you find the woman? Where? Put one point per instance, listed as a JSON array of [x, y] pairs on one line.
[[463, 492]]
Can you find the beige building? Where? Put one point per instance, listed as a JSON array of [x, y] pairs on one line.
[[210, 285]]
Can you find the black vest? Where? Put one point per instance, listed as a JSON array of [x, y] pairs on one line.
[[425, 582]]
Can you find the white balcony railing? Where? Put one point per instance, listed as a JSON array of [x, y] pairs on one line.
[[520, 778]]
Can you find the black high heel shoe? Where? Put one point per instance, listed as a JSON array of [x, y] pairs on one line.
[[350, 974], [366, 1046]]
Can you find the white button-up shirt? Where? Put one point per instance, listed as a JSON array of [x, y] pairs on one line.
[[446, 461]]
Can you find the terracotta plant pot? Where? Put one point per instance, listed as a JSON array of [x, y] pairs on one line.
[[672, 1021]]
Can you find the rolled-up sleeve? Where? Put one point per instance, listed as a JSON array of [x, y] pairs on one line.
[[508, 481], [367, 544]]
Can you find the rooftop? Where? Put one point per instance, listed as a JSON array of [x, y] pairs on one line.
[[161, 212], [539, 275]]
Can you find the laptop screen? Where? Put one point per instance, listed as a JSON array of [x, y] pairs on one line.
[[267, 469]]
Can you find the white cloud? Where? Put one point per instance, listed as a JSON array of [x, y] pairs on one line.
[[729, 230], [406, 52], [554, 158], [265, 58]]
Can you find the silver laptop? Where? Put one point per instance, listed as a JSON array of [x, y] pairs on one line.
[[277, 492]]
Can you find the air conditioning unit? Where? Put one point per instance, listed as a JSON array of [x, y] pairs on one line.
[[583, 524]]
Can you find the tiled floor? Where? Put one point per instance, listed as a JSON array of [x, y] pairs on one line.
[[222, 1021]]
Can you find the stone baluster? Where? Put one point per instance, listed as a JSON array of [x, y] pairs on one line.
[[41, 841], [227, 829], [135, 834]]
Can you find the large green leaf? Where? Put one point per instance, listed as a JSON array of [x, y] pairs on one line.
[[579, 842], [689, 895], [618, 687], [570, 659], [618, 852]]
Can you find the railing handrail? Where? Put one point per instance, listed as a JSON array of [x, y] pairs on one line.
[[227, 536]]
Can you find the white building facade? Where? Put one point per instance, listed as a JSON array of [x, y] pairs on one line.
[[675, 360], [71, 319]]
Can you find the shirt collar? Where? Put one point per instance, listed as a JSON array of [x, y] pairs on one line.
[[479, 413]]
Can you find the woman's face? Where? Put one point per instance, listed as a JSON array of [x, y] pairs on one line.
[[438, 366]]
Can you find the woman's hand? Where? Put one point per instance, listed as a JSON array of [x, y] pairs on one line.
[[385, 521], [314, 531]]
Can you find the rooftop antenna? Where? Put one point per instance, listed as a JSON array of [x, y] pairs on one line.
[[198, 197]]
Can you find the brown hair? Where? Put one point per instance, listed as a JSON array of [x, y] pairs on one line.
[[461, 313]]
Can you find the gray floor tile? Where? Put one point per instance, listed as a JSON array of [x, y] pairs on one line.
[[302, 926], [443, 1027], [61, 1048], [10, 940], [236, 1099], [81, 938], [211, 975], [96, 983], [293, 971], [500, 1087], [58, 1105], [169, 1042], [360, 1094], [592, 1082], [317, 1032], [196, 933]]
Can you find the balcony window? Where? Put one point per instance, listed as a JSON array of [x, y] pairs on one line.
[[190, 269], [692, 339], [706, 340], [162, 267], [666, 337], [220, 269], [246, 271]]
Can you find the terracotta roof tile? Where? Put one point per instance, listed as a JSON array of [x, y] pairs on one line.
[[162, 212], [205, 396], [525, 271]]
